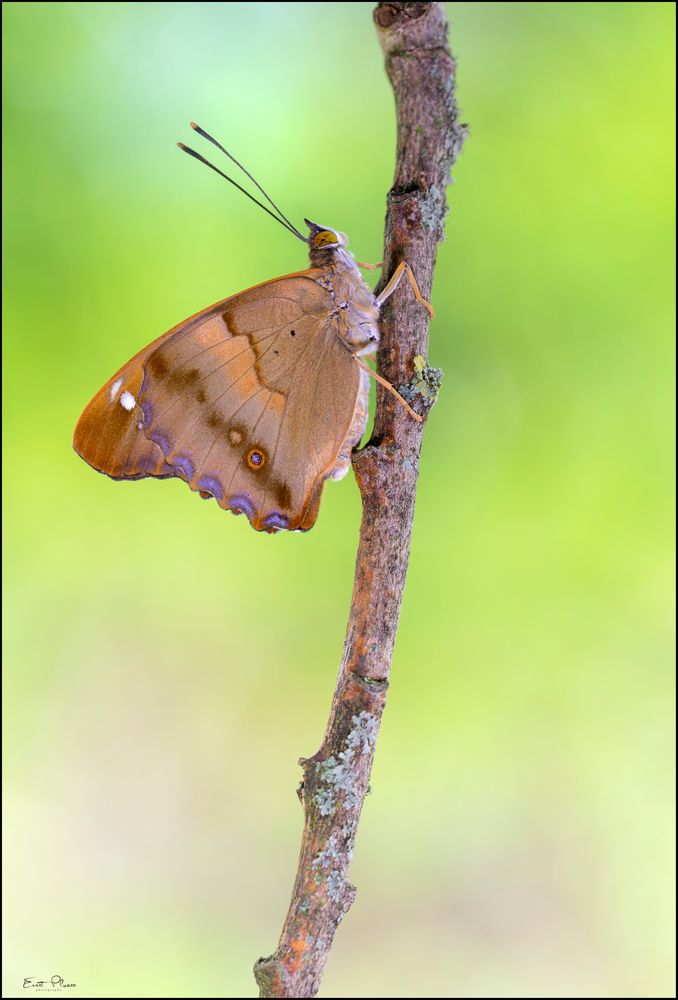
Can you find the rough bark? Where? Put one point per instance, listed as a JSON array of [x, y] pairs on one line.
[[420, 67]]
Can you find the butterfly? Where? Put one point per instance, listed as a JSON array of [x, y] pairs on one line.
[[257, 400]]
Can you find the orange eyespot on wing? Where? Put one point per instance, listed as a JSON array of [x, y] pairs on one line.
[[250, 402]]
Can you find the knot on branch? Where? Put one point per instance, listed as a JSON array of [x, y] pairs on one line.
[[368, 464], [417, 210], [270, 977]]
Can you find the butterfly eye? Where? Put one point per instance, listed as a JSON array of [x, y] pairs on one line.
[[325, 239]]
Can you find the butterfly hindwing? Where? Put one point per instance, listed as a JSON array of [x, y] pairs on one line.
[[249, 402]]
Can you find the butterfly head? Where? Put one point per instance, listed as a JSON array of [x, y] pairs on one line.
[[323, 241]]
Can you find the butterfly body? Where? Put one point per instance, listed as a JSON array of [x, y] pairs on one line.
[[353, 301], [255, 401]]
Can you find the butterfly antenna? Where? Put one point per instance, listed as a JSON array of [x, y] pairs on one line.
[[289, 227], [256, 183]]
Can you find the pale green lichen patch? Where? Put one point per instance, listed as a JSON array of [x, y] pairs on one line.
[[324, 799], [363, 736], [336, 774], [348, 834], [432, 207], [426, 382], [328, 857], [335, 885], [342, 778]]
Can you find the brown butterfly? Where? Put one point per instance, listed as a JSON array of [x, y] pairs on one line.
[[260, 398]]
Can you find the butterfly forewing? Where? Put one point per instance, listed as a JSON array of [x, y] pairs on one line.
[[248, 402]]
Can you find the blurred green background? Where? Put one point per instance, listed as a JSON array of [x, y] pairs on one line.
[[166, 666]]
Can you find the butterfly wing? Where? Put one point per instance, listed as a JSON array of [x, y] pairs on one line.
[[251, 401], [109, 434]]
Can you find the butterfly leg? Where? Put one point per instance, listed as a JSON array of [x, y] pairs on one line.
[[387, 385], [404, 268], [370, 267]]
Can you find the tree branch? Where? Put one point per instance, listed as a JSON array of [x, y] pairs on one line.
[[413, 37]]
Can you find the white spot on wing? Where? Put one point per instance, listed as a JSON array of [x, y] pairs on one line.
[[127, 400], [115, 389]]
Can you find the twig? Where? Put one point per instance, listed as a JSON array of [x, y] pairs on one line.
[[422, 73]]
